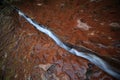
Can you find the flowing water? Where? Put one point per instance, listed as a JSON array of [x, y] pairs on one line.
[[87, 54]]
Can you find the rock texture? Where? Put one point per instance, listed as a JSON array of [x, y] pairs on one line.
[[27, 54]]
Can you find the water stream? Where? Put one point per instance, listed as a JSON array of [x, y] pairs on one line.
[[78, 51]]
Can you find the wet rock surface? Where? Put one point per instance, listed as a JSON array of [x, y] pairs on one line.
[[27, 54]]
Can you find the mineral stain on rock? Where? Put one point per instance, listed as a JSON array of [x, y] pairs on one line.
[[82, 25]]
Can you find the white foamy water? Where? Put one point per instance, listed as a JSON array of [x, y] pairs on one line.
[[87, 55]]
